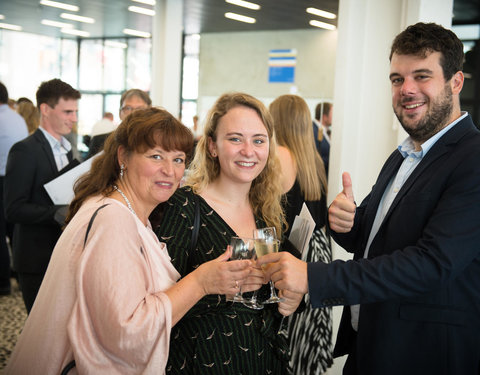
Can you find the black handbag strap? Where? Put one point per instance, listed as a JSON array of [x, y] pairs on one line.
[[196, 223], [71, 364]]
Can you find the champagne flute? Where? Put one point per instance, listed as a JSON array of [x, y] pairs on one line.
[[266, 242], [244, 248]]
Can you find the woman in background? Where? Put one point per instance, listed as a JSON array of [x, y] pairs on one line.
[[30, 114], [109, 298], [304, 181], [234, 182]]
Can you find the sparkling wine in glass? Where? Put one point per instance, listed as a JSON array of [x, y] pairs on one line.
[[266, 242]]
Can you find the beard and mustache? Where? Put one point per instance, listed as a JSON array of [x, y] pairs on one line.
[[433, 121]]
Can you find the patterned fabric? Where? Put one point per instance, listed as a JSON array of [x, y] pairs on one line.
[[310, 331], [216, 336]]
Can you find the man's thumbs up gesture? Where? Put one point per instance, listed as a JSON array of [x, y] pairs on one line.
[[342, 210]]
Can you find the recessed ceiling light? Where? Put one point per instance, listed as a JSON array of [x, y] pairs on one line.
[[239, 17], [245, 4], [76, 32], [113, 43], [10, 27], [321, 13], [74, 17], [322, 25], [147, 2], [148, 12], [56, 4], [139, 33], [56, 24], [2, 17]]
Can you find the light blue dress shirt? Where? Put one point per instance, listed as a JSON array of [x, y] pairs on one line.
[[60, 148], [411, 160], [12, 130]]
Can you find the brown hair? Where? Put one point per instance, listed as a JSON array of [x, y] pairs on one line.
[[266, 190], [50, 92], [140, 131], [30, 114], [423, 38]]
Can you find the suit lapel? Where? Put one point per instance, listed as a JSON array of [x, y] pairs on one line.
[[441, 147], [46, 148]]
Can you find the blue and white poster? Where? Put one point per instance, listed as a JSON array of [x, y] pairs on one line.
[[281, 65]]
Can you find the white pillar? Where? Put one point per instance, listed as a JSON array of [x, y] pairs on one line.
[[167, 55], [365, 129]]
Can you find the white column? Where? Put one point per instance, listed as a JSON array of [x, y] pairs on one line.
[[167, 55], [365, 129]]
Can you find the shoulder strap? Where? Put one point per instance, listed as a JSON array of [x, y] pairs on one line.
[[196, 223], [91, 222]]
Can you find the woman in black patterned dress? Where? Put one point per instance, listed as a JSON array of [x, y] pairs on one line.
[[234, 181], [304, 181]]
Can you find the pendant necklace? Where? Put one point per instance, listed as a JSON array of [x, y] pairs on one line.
[[129, 205]]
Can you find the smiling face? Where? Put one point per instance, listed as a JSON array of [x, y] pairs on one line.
[[60, 119], [152, 177], [422, 101], [241, 145]]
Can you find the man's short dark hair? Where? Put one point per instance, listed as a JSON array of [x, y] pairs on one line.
[[138, 93], [50, 92], [3, 94], [423, 38], [322, 109]]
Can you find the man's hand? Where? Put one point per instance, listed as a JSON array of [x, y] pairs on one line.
[[341, 212], [286, 271]]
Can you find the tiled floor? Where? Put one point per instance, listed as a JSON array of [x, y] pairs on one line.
[[12, 318]]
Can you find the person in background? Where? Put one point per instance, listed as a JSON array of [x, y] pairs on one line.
[[104, 126], [110, 296], [304, 182], [130, 101], [322, 125], [416, 236], [30, 114], [33, 162], [233, 182], [12, 130]]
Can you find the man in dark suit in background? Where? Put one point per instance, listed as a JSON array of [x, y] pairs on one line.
[[322, 125], [32, 162], [415, 237]]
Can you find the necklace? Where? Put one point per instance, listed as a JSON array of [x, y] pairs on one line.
[[129, 205]]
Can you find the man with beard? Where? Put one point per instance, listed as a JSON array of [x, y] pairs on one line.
[[412, 292]]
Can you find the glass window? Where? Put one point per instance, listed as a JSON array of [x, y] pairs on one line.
[[91, 65], [139, 64], [114, 68], [69, 58]]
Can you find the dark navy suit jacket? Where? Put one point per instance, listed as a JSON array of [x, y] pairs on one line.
[[419, 289], [30, 165]]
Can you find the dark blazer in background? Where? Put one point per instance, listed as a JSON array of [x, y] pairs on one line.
[[420, 287], [30, 165]]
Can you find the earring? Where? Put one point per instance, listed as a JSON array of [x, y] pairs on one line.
[[214, 154], [122, 168]]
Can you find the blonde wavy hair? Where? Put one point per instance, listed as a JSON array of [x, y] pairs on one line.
[[293, 129], [266, 191]]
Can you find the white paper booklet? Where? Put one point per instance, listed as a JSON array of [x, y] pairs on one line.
[[61, 188], [302, 229]]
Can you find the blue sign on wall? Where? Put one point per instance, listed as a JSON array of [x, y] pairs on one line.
[[281, 65]]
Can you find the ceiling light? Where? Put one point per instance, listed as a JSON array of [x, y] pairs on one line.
[[142, 34], [56, 24], [76, 32], [10, 27], [321, 13], [147, 2], [148, 12], [245, 4], [113, 43], [239, 17], [74, 17], [323, 25], [56, 4], [2, 17]]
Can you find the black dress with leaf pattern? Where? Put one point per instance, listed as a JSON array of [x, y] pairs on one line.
[[216, 336]]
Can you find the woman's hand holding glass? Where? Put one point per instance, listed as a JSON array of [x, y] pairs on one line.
[[219, 276]]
